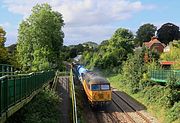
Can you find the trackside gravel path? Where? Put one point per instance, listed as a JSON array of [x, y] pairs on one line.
[[63, 91]]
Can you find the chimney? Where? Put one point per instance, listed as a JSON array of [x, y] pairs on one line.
[[154, 37]]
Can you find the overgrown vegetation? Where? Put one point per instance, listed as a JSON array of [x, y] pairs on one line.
[[173, 54], [135, 81], [161, 101], [44, 108], [111, 53]]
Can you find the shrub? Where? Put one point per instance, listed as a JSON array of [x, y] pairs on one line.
[[174, 113]]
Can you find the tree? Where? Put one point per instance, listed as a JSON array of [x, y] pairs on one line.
[[168, 32], [40, 39], [132, 71], [144, 33], [3, 51], [123, 33], [2, 36], [111, 53], [104, 42]]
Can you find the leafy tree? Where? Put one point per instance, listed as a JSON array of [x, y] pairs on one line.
[[2, 36], [111, 53], [104, 42], [168, 32], [144, 33], [3, 51], [12, 55], [123, 33], [173, 55], [133, 70], [40, 39]]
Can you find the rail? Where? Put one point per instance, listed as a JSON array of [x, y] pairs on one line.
[[17, 90], [73, 98]]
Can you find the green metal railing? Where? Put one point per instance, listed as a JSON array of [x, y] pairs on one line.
[[6, 70], [163, 75], [16, 88]]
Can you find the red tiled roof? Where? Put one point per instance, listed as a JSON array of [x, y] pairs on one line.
[[153, 41], [167, 62]]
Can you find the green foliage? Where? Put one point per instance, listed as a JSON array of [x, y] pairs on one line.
[[123, 33], [144, 33], [111, 53], [173, 54], [174, 113], [156, 94], [3, 51], [172, 82], [2, 36], [44, 108], [153, 96], [40, 38], [133, 70], [5, 57], [168, 32]]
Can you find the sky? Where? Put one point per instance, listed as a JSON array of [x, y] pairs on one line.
[[92, 20]]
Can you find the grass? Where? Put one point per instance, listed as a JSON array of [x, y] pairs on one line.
[[42, 109], [162, 113]]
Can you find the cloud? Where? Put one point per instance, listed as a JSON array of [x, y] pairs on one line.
[[5, 25], [96, 33], [11, 33], [84, 19]]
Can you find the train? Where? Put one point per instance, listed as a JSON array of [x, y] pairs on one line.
[[97, 88]]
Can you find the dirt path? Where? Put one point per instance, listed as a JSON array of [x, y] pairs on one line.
[[63, 91]]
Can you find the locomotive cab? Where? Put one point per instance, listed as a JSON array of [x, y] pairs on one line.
[[96, 88], [100, 91]]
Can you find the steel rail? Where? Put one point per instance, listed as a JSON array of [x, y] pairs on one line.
[[137, 112], [127, 115]]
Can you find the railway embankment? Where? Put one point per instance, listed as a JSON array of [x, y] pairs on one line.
[[161, 101], [42, 109]]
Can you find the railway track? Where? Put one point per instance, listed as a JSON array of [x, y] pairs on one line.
[[121, 110], [132, 115]]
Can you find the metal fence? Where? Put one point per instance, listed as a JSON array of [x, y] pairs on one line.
[[163, 75], [6, 70], [15, 88]]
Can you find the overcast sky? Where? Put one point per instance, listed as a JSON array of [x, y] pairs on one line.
[[92, 20]]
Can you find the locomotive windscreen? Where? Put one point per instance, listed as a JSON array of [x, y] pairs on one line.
[[97, 87]]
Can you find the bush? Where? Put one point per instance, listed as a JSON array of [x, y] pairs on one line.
[[133, 71], [42, 109], [174, 113]]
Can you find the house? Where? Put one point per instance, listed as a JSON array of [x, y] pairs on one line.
[[155, 45], [167, 49]]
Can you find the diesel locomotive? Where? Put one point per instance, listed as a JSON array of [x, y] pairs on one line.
[[97, 88]]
